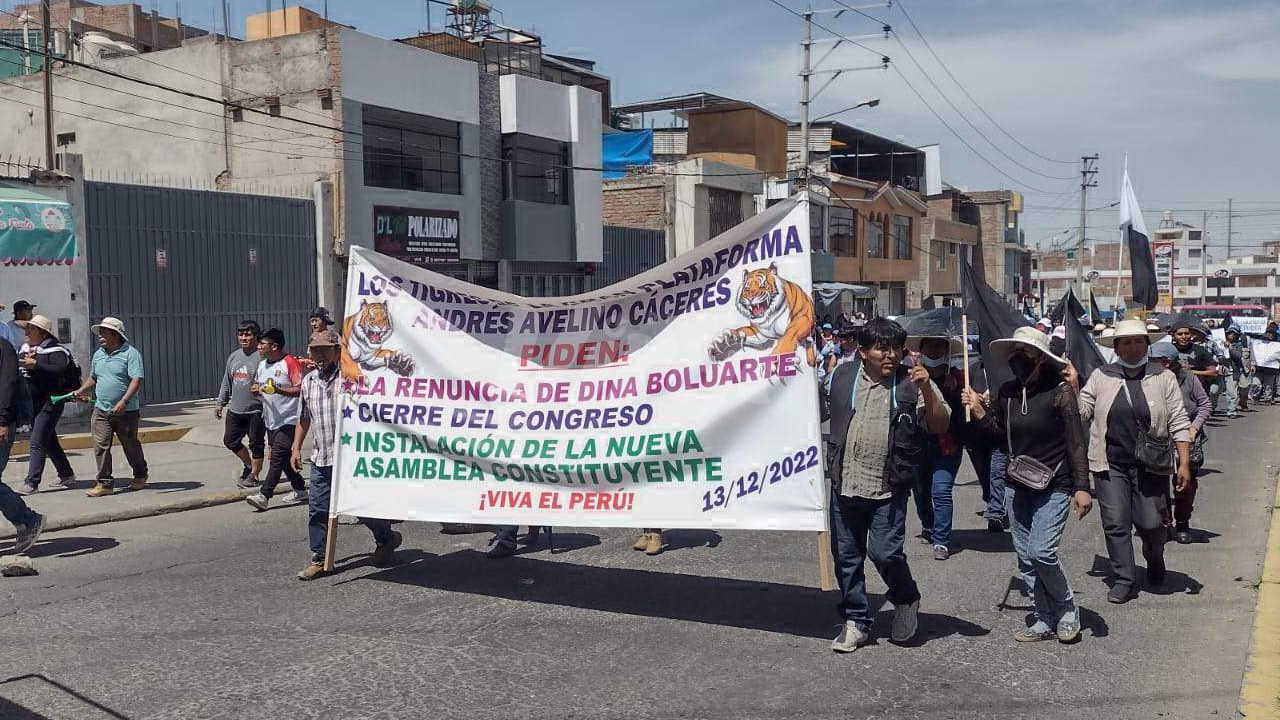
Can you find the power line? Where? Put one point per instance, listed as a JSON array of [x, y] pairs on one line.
[[969, 122], [976, 104]]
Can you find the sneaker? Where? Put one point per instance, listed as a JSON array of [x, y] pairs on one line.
[[995, 526], [1120, 594], [63, 483], [501, 550], [940, 552], [906, 620], [248, 482], [1035, 633], [1069, 627], [27, 536], [642, 543], [382, 552], [297, 496], [1231, 416], [655, 544], [313, 570], [1182, 533], [138, 484], [850, 637], [101, 490], [258, 501], [28, 489]]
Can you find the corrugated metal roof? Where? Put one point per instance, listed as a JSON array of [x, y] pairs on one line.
[[819, 139]]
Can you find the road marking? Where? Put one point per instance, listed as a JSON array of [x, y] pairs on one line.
[[1260, 691]]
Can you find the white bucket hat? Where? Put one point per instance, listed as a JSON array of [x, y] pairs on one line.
[[1029, 337], [111, 323], [1130, 328], [956, 345], [43, 323]]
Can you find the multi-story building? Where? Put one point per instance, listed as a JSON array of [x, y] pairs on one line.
[[1006, 259], [381, 151], [72, 19], [954, 235]]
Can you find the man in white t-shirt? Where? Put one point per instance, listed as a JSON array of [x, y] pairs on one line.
[[278, 382]]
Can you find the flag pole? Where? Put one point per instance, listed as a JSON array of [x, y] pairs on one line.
[[964, 330], [1119, 279]]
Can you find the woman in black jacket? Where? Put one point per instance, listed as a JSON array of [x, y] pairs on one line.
[[50, 371], [1036, 419]]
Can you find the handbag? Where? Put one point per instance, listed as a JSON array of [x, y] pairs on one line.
[[1024, 469], [1153, 453], [1197, 450]]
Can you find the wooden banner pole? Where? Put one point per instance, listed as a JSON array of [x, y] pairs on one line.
[[330, 543], [826, 563], [964, 342]]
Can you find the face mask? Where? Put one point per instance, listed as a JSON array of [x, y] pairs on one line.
[[1022, 366], [1133, 365], [932, 362]]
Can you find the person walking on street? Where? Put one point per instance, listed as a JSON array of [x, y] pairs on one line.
[[320, 401], [115, 377], [1266, 355], [1198, 406], [1240, 365], [50, 371], [27, 523], [940, 455], [278, 382], [877, 411], [1196, 356], [15, 330], [1136, 419], [243, 408], [1036, 417], [989, 460]]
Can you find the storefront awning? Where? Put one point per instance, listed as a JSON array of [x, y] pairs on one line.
[[35, 229], [828, 291]]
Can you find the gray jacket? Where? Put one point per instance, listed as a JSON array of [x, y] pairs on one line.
[[1164, 402], [234, 393]]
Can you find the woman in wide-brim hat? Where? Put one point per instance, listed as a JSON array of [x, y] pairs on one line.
[[49, 371], [940, 455], [1034, 417], [1132, 405]]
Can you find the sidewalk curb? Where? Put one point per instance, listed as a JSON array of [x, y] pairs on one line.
[[132, 513], [1260, 690], [84, 441]]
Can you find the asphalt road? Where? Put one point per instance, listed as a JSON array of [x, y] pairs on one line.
[[199, 616]]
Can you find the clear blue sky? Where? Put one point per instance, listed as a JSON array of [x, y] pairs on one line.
[[1190, 90]]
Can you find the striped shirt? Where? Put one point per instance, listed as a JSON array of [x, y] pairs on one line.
[[321, 399]]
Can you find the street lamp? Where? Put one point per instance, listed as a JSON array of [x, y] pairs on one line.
[[865, 103]]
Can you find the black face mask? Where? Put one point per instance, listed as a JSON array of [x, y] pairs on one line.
[[1022, 366]]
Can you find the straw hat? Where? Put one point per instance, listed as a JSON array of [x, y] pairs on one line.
[[43, 323], [1130, 328], [111, 323], [1029, 337]]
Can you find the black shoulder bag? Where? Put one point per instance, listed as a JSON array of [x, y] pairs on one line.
[[1154, 454]]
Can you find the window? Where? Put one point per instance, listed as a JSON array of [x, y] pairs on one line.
[[1193, 235], [844, 231], [875, 237], [726, 209], [535, 169], [901, 237], [939, 251], [1253, 281], [403, 151], [1193, 253], [65, 139], [1193, 282]]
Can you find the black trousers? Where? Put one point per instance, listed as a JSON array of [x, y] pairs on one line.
[[281, 441]]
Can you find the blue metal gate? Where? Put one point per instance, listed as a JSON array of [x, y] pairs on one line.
[[181, 268]]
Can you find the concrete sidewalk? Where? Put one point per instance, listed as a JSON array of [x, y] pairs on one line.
[[191, 472]]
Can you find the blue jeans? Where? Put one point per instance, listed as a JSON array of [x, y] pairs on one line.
[[318, 512], [1039, 518], [12, 506], [997, 500], [45, 445], [935, 478], [875, 529]]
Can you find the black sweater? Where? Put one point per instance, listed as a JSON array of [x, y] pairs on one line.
[[1050, 430]]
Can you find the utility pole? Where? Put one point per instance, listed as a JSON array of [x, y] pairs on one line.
[[1086, 181], [804, 99], [1204, 255], [1228, 228], [46, 33]]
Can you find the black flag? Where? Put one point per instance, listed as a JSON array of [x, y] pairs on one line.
[[1081, 350], [995, 319], [1134, 232], [1095, 315]]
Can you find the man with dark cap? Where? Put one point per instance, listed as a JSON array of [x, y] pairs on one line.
[[321, 400], [14, 331], [320, 320], [1194, 357], [1240, 368]]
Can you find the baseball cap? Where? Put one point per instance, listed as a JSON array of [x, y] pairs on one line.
[[324, 338], [23, 305]]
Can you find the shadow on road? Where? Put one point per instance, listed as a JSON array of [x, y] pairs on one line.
[[772, 607], [65, 547], [174, 485], [10, 710], [982, 540], [685, 539]]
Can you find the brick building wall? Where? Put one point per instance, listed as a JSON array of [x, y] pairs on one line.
[[637, 202], [127, 21], [490, 172]]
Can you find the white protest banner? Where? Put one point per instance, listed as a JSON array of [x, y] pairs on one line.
[[682, 398]]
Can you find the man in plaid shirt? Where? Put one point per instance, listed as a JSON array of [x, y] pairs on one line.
[[321, 402]]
